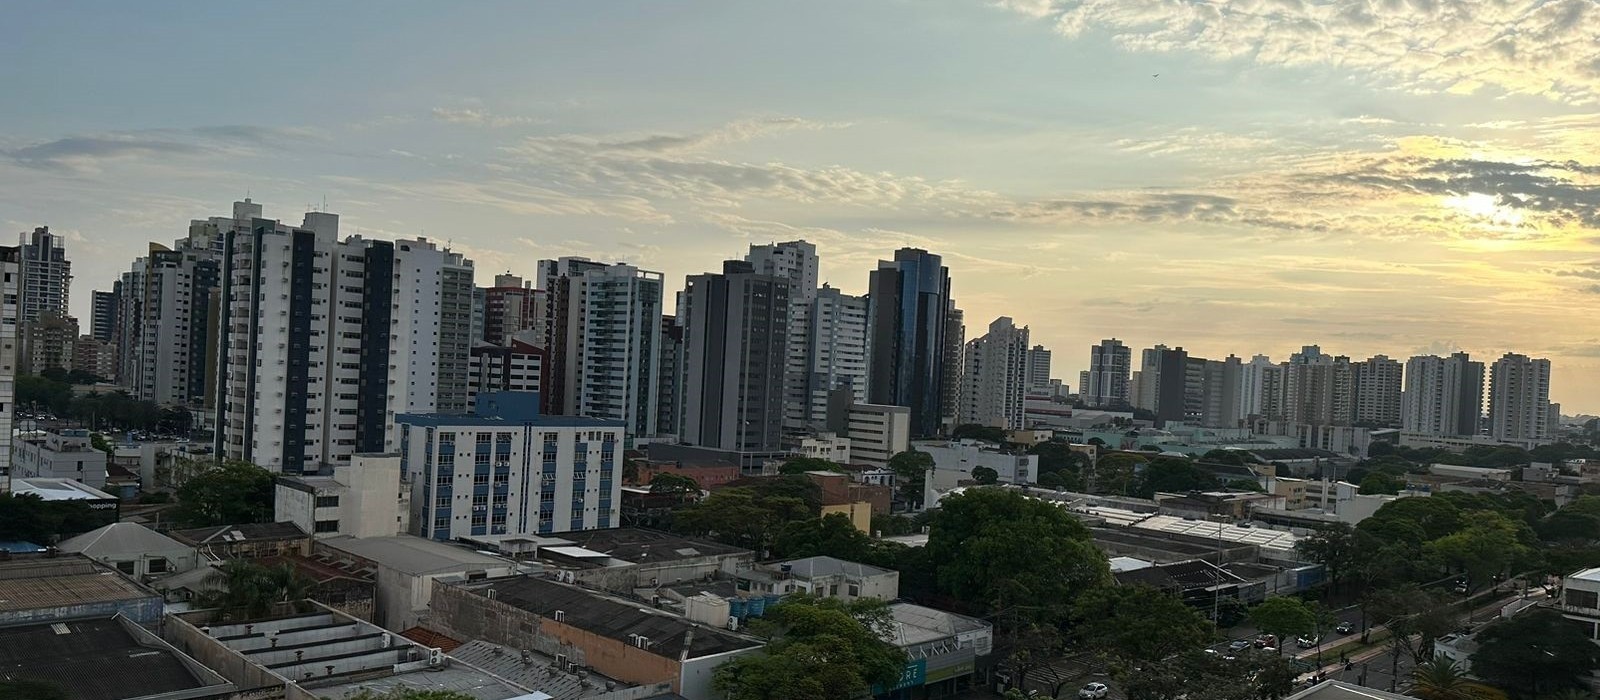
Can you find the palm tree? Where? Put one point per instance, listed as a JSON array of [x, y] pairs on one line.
[[1441, 679], [252, 589]]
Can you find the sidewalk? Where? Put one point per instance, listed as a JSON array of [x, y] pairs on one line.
[[1492, 609]]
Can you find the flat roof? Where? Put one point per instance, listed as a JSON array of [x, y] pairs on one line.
[[459, 678], [1260, 536], [222, 534], [639, 545], [507, 663], [414, 555], [34, 583], [812, 567], [59, 489], [613, 618], [468, 420], [98, 659], [1339, 690]]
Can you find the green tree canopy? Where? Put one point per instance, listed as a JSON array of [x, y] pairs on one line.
[[1415, 616], [667, 482], [249, 589], [1172, 475], [911, 473], [1534, 653], [410, 694], [822, 649], [29, 518], [1336, 547], [1284, 617], [1381, 483], [1114, 473], [830, 535], [1197, 675], [985, 475], [230, 493], [987, 433], [801, 465], [1137, 623], [1433, 518], [1439, 678], [1234, 457], [998, 548], [1484, 548], [752, 513]]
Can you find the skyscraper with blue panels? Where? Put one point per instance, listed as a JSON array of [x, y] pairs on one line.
[[506, 469]]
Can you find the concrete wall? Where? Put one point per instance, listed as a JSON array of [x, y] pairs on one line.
[[232, 665], [145, 611], [859, 514], [696, 674], [623, 579]]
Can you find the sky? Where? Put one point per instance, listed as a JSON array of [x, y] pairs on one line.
[[1231, 176]]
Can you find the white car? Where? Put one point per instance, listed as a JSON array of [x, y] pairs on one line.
[[1093, 691]]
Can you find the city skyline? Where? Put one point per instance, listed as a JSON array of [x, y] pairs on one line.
[[1091, 173]]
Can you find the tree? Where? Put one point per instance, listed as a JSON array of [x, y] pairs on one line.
[[1233, 457], [1534, 653], [1334, 547], [667, 482], [1114, 473], [1059, 466], [1246, 485], [230, 493], [822, 649], [1483, 549], [911, 473], [250, 589], [831, 535], [1199, 676], [751, 513], [1137, 623], [1415, 618], [1380, 483], [1171, 475], [1440, 678], [985, 475], [987, 433], [1433, 517], [1285, 618], [801, 465], [1000, 548], [99, 442], [29, 518], [31, 690]]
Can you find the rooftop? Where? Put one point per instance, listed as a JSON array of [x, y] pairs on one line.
[[534, 670], [1339, 690], [1592, 575], [1295, 453], [58, 490], [503, 408], [667, 634], [221, 534], [100, 659], [812, 567], [1263, 537], [633, 546], [414, 555], [52, 582], [122, 538], [914, 624]]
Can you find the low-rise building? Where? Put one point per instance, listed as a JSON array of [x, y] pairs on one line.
[[707, 476], [1580, 600], [42, 588], [134, 550], [1232, 505], [954, 460], [946, 653], [106, 506], [822, 576], [623, 560], [406, 568], [1473, 473], [364, 498], [826, 446], [59, 454], [106, 658], [877, 432], [1460, 443], [246, 541], [617, 638]]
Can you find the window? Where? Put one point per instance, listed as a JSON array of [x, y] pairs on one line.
[[327, 526], [125, 567], [855, 590], [327, 501], [156, 566], [1583, 599], [480, 479]]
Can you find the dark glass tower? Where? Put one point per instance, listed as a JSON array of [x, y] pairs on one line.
[[908, 301]]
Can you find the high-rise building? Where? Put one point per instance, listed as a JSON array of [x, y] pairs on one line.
[[48, 341], [1039, 369], [1443, 395], [1109, 364], [1171, 388], [505, 469], [1318, 388], [550, 273], [10, 319], [1261, 389], [103, 315], [513, 309], [736, 338], [1083, 384], [955, 337], [1220, 388], [516, 366], [1519, 398], [795, 262], [604, 359], [995, 380], [326, 341], [168, 346], [46, 275], [909, 312], [1149, 378], [1377, 391], [835, 353], [670, 376], [94, 356]]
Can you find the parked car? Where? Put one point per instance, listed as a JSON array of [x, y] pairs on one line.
[[1093, 691], [1239, 645], [1307, 642], [1345, 628], [1266, 640]]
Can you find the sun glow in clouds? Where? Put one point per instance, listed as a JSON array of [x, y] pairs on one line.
[[1485, 207]]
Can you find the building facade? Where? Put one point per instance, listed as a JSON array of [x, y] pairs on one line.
[[507, 469], [795, 262], [513, 309], [877, 433], [1378, 382], [736, 341], [46, 274], [62, 454], [995, 379], [835, 351], [516, 366], [604, 359], [1519, 398], [1038, 370], [1110, 363], [909, 309], [103, 315], [365, 498], [1443, 396], [10, 321]]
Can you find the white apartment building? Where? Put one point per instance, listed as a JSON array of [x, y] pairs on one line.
[[1261, 388], [1377, 391], [365, 498], [605, 360], [63, 454], [827, 446], [326, 341], [1318, 389], [835, 351], [1519, 398], [877, 432], [507, 469], [954, 460], [517, 366], [46, 274], [166, 343], [1443, 396], [995, 381], [10, 319], [795, 262]]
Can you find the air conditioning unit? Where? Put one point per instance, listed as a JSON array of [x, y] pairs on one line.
[[733, 623]]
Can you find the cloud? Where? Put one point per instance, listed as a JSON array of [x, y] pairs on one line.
[[84, 154], [480, 117], [1535, 47]]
